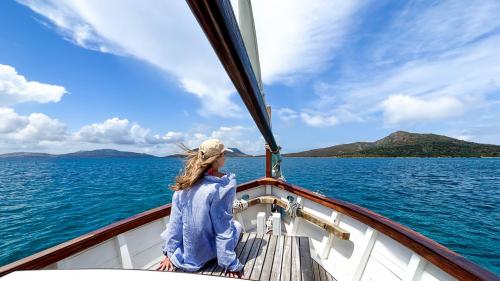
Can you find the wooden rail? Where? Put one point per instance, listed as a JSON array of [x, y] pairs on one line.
[[442, 257], [328, 226], [86, 241], [445, 259]]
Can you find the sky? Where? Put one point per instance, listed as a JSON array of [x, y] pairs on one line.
[[141, 76]]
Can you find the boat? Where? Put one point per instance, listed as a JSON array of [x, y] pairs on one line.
[[290, 233]]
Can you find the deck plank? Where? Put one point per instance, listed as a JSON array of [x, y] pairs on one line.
[[241, 243], [322, 273], [267, 264], [278, 258], [248, 247], [329, 277], [287, 260], [218, 270], [214, 269], [243, 256], [252, 256], [204, 267], [305, 260], [259, 261], [295, 256], [275, 258], [211, 265], [317, 276]]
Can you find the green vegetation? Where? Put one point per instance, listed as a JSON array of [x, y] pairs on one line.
[[404, 144]]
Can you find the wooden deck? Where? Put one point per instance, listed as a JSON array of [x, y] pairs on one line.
[[270, 257]]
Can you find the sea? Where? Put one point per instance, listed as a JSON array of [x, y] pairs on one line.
[[454, 201]]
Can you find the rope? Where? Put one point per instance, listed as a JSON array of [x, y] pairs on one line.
[[239, 205], [273, 151], [276, 163], [291, 209], [269, 224]]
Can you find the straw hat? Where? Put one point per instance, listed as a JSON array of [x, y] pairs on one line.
[[212, 147]]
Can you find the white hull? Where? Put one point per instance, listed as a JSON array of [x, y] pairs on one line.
[[367, 255]]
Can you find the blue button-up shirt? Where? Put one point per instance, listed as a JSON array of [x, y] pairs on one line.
[[200, 226]]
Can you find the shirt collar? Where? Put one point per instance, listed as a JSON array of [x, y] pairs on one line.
[[224, 179]]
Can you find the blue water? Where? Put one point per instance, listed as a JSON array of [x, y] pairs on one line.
[[456, 202]]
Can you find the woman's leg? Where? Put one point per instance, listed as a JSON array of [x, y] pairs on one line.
[[239, 228]]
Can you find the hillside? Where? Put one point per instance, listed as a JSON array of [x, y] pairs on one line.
[[105, 153], [102, 153], [98, 153], [404, 144], [25, 155]]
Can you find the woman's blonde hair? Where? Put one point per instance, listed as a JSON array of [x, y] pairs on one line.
[[194, 168]]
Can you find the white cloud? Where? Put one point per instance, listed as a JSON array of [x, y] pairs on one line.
[[299, 37], [38, 132], [435, 70], [162, 33], [30, 129], [404, 108], [464, 137], [468, 76], [286, 114], [245, 138], [42, 127], [165, 33], [318, 120], [432, 28], [14, 88], [10, 121], [122, 132]]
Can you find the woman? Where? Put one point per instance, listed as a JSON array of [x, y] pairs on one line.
[[201, 226]]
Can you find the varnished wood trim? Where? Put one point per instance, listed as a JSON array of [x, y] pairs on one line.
[[442, 257], [268, 163], [326, 225], [79, 244], [445, 259], [59, 252], [320, 222]]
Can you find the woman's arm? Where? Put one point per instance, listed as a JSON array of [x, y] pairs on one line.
[[174, 230], [221, 213]]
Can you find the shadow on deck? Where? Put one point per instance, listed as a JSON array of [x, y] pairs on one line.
[[268, 257]]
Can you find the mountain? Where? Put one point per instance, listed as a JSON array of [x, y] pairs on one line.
[[25, 155], [102, 153], [236, 153], [98, 153], [105, 153], [405, 144]]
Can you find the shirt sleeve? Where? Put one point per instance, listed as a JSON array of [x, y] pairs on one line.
[[174, 230], [221, 214]]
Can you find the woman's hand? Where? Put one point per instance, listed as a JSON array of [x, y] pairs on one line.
[[234, 274], [165, 264]]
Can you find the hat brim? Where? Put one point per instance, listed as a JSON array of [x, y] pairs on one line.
[[227, 149]]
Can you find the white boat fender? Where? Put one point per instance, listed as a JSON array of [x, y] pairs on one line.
[[240, 205]]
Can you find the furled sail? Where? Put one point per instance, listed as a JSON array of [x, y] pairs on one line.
[[219, 23]]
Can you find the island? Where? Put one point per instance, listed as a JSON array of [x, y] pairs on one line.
[[397, 144], [405, 144], [104, 153]]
